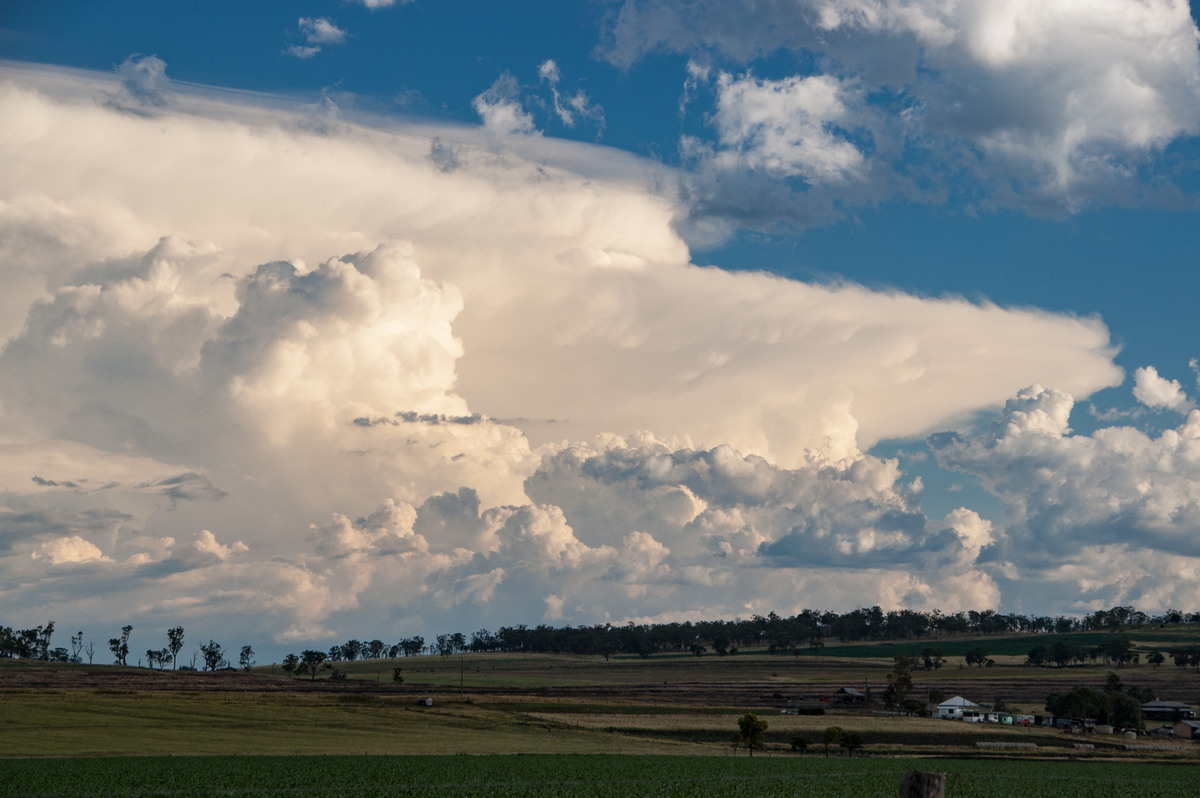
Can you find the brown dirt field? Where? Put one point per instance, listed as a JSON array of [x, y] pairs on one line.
[[759, 687]]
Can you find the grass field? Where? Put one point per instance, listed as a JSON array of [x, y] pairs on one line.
[[582, 776], [107, 724]]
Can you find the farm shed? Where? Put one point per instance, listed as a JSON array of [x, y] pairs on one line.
[[1188, 729], [954, 708], [848, 695], [1167, 710]]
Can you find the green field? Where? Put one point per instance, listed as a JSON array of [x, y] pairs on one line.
[[591, 776]]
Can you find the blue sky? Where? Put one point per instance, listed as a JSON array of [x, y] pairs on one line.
[[980, 222]]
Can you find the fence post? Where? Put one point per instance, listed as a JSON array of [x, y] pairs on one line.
[[923, 785]]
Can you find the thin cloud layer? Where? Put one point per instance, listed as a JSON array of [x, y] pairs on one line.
[[321, 379]]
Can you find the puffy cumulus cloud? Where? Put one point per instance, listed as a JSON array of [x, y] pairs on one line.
[[1101, 576], [1055, 105], [786, 127], [1117, 487], [73, 549], [389, 529], [206, 543], [1153, 390], [326, 376], [710, 524]]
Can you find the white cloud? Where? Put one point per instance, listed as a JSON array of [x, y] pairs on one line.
[[362, 388], [1154, 391], [316, 32], [319, 30], [206, 543], [1055, 105], [303, 51], [1115, 487], [144, 80], [500, 108], [786, 127], [73, 549], [569, 108]]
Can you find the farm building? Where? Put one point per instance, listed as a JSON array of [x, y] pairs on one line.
[[958, 708], [848, 695], [1167, 710], [1188, 729]]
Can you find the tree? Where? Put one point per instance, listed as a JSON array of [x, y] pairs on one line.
[[310, 662], [43, 640], [831, 736], [977, 656], [76, 646], [851, 741], [799, 745], [932, 658], [119, 646], [1156, 658], [899, 682], [90, 650], [214, 655], [1082, 702], [751, 730], [246, 658], [291, 663], [175, 644]]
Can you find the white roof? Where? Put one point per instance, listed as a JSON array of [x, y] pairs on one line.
[[957, 701]]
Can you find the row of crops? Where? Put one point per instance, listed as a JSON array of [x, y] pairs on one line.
[[585, 776]]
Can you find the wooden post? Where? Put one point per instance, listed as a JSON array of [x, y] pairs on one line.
[[923, 785]]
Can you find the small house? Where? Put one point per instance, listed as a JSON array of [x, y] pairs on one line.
[[957, 708], [1168, 710], [1188, 729]]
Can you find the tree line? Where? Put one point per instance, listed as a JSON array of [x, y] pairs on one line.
[[808, 629], [35, 644]]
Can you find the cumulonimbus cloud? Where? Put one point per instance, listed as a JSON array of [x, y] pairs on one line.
[[227, 335]]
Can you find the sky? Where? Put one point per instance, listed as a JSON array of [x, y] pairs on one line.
[[363, 319]]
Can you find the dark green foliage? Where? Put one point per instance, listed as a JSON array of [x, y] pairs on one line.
[[543, 776], [751, 730]]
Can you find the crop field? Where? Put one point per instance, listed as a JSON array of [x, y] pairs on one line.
[[592, 776]]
